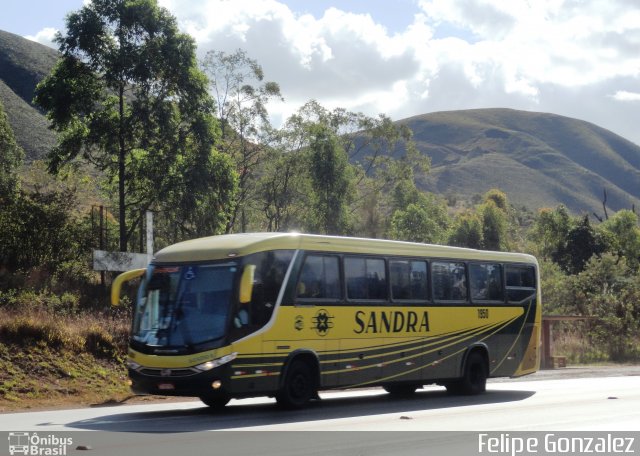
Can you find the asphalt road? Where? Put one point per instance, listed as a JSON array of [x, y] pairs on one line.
[[545, 402]]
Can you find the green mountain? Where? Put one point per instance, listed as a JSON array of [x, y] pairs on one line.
[[23, 63], [538, 159]]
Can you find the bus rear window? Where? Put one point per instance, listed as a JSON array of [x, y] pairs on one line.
[[521, 276], [521, 282]]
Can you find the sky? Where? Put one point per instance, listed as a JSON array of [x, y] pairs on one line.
[[578, 58]]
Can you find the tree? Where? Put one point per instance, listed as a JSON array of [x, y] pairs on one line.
[[608, 290], [467, 231], [494, 226], [582, 242], [393, 189], [331, 178], [371, 143], [200, 210], [41, 228], [398, 175], [494, 213], [498, 197], [127, 96], [281, 188], [11, 156], [624, 235], [550, 230], [294, 192], [486, 227], [423, 221], [241, 94]]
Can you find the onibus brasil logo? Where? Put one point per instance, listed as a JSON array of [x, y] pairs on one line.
[[34, 445]]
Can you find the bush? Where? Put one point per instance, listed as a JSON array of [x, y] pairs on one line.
[[571, 339], [100, 343], [39, 230], [607, 290], [610, 291], [28, 331], [43, 301]]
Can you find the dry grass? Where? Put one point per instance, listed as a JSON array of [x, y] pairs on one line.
[[48, 360], [572, 341], [98, 335]]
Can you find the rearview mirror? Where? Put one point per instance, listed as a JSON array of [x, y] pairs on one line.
[[116, 286], [246, 283]]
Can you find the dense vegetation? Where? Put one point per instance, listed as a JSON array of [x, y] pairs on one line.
[[323, 171]]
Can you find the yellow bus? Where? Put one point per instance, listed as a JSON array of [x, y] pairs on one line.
[[287, 315]]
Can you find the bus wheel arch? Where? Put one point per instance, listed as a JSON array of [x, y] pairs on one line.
[[299, 380]]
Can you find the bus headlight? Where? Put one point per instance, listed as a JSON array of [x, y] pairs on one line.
[[132, 365], [216, 362]]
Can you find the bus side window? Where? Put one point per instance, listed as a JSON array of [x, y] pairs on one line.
[[319, 278], [486, 282], [449, 281], [408, 280], [366, 278]]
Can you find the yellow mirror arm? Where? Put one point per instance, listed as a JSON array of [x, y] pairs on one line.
[[246, 283], [116, 286]]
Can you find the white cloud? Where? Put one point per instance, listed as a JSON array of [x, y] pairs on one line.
[[566, 42], [45, 36], [623, 95], [341, 59], [546, 55]]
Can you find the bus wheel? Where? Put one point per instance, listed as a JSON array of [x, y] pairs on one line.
[[299, 386], [215, 402], [474, 380], [401, 389]]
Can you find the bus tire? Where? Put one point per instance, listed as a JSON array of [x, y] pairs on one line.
[[216, 402], [401, 390], [299, 387], [474, 378]]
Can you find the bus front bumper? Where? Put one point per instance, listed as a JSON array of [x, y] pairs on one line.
[[168, 383]]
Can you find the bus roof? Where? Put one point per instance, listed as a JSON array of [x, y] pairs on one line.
[[234, 245]]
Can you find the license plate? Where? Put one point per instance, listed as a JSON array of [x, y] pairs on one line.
[[166, 386]]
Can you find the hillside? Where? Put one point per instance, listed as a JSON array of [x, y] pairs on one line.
[[23, 64], [537, 159]]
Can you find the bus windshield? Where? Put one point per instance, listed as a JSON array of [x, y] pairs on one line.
[[179, 306]]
